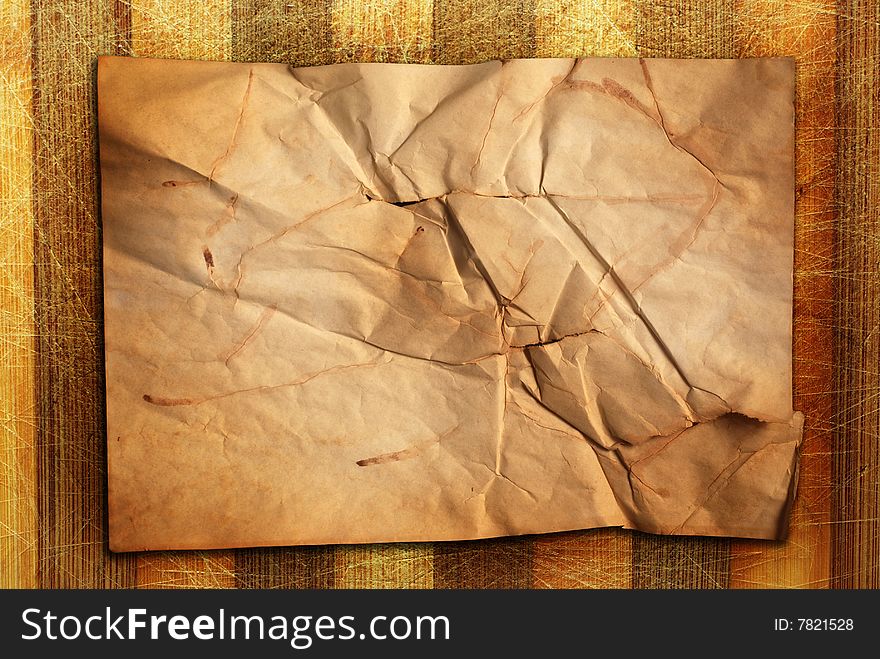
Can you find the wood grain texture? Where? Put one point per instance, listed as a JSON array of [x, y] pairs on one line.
[[856, 448], [52, 462], [282, 31], [387, 566], [184, 29], [467, 31], [18, 466], [383, 31], [72, 543]]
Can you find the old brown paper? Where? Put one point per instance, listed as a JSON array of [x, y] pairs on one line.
[[382, 302]]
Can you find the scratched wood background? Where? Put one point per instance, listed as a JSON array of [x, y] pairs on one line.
[[52, 464]]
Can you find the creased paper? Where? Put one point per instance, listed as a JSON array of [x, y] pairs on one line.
[[387, 302]]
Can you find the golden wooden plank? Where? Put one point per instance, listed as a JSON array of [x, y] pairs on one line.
[[496, 563], [385, 566], [67, 38], [382, 30], [18, 465], [696, 28], [286, 567], [467, 31], [186, 569], [601, 558], [181, 29], [296, 33], [600, 28], [856, 476]]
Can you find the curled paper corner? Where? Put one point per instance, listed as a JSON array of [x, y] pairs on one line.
[[371, 302]]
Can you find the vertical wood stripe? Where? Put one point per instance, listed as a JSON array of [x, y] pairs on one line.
[[497, 563], [597, 558], [70, 485], [806, 31], [857, 422], [685, 28], [385, 566], [182, 29], [18, 519], [285, 567], [680, 562], [296, 33], [382, 30], [601, 28], [185, 569], [467, 31], [51, 381]]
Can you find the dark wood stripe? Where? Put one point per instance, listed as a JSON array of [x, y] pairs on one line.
[[856, 524], [676, 562], [296, 33], [285, 567], [702, 28], [71, 475], [497, 563], [697, 29]]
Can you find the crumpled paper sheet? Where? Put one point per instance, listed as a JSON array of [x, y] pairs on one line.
[[386, 302]]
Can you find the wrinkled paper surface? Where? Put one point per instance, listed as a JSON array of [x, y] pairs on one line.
[[386, 302]]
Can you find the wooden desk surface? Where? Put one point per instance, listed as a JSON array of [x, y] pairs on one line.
[[52, 473]]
